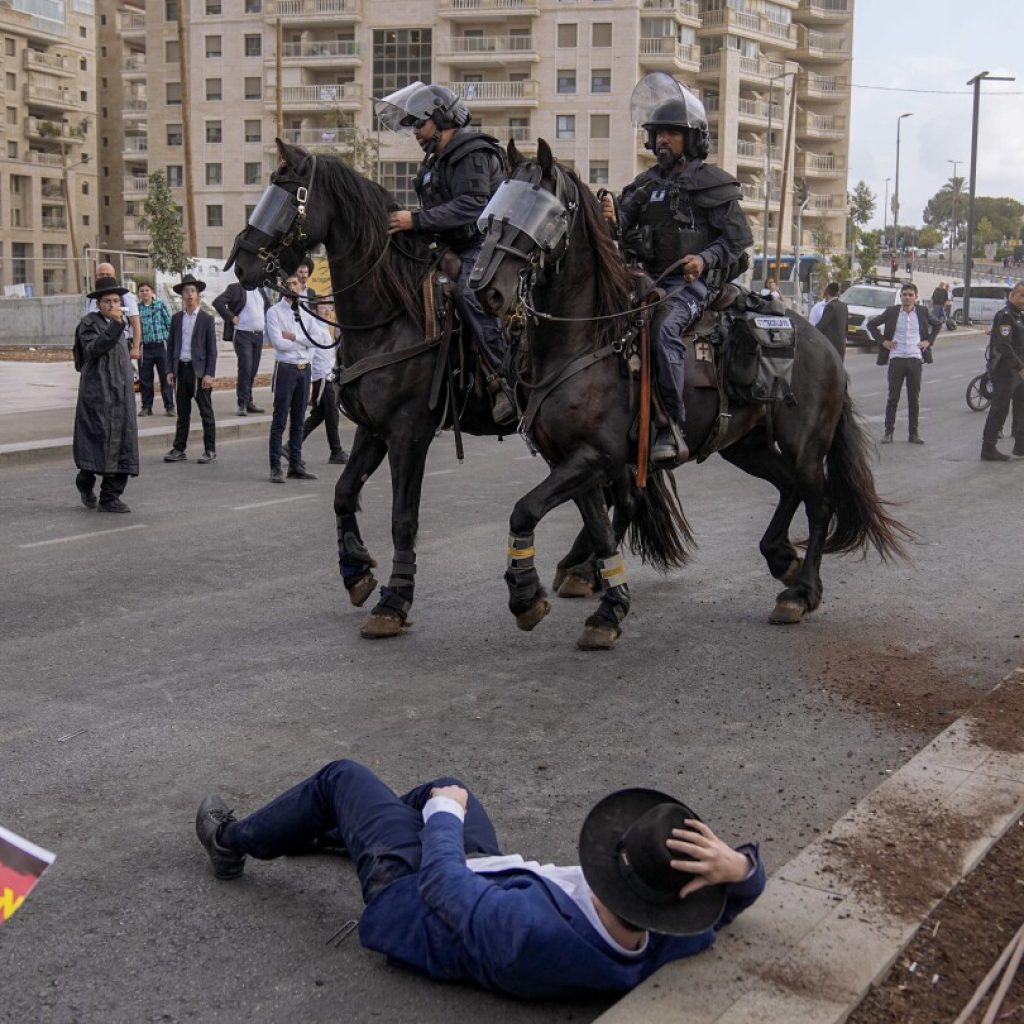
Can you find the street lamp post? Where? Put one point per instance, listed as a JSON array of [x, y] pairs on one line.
[[969, 255], [885, 212], [896, 189], [952, 232], [768, 169]]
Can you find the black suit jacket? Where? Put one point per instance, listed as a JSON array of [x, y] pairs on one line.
[[230, 303], [887, 321], [204, 345], [833, 323]]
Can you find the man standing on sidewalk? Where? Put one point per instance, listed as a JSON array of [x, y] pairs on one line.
[[323, 403], [289, 327], [244, 312], [106, 438], [193, 362], [1006, 361], [155, 318]]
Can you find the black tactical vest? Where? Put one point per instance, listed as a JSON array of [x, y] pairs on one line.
[[667, 225]]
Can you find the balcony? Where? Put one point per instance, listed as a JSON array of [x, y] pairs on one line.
[[133, 109], [478, 10], [40, 159], [39, 129], [49, 63], [755, 69], [320, 11], [828, 46], [820, 126], [348, 96], [666, 54], [489, 49], [519, 133], [323, 53], [824, 88], [525, 93], [52, 191], [684, 10], [136, 185], [136, 147], [319, 140], [752, 154], [54, 221], [748, 23], [132, 24], [820, 165], [134, 67], [757, 112], [826, 205], [133, 228], [826, 11], [751, 193], [49, 97]]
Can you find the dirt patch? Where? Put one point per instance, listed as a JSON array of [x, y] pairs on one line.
[[998, 720], [955, 947], [36, 355]]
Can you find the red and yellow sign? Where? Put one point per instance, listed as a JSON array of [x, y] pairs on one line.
[[21, 865]]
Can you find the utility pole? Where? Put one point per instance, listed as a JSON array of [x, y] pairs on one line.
[[278, 88], [896, 191], [71, 218], [767, 168], [885, 214], [952, 230], [186, 128], [785, 173], [969, 255]]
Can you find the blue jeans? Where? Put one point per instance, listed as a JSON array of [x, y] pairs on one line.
[[291, 392], [248, 349], [346, 802], [685, 308], [154, 357]]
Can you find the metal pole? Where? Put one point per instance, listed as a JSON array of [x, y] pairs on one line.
[[186, 128], [767, 181], [952, 231], [896, 191], [71, 217], [787, 145], [885, 213], [278, 88]]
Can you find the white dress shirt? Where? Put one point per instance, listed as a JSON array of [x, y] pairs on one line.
[[281, 318], [816, 311], [188, 325], [323, 362], [907, 335], [252, 317]]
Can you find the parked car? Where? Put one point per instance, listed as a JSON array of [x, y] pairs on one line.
[[865, 301], [986, 301]]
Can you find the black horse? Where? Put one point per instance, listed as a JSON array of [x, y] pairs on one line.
[[814, 451], [389, 370]]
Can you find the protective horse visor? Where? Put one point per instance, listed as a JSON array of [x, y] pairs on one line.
[[538, 214], [400, 111], [275, 213]]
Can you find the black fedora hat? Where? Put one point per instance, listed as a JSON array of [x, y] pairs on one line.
[[106, 286], [189, 279], [626, 863]]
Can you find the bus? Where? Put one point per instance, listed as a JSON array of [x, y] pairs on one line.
[[784, 272]]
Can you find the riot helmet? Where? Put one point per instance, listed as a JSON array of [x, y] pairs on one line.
[[403, 110], [659, 101]]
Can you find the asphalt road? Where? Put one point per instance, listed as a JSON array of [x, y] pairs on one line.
[[204, 644]]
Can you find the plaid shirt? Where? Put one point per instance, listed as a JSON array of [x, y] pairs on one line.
[[156, 322]]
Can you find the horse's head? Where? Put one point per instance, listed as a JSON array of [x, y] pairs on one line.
[[284, 225], [526, 225]]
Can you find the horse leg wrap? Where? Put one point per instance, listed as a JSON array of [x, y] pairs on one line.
[[397, 595], [614, 606], [520, 574], [353, 558]]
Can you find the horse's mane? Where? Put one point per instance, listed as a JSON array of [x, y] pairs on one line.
[[397, 278]]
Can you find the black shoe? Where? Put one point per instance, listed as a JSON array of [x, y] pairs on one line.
[[993, 454], [117, 505], [276, 476], [212, 816], [338, 458], [299, 472], [253, 408], [206, 457], [502, 408], [175, 455], [667, 451], [88, 499], [170, 412], [241, 410], [145, 412], [887, 437], [1018, 451], [915, 439]]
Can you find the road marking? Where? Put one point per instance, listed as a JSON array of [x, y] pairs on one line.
[[870, 394], [83, 536], [273, 501], [439, 472]]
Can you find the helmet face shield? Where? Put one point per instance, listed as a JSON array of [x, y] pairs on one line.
[[658, 90], [416, 103]]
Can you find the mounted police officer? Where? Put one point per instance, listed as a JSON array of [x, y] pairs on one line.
[[680, 218], [1006, 370], [460, 172]]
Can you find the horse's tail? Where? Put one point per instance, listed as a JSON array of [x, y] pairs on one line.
[[860, 516], [659, 532]]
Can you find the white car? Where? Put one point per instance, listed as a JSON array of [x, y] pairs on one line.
[[986, 301], [865, 301]]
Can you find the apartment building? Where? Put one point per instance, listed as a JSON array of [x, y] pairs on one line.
[[48, 144], [306, 70]]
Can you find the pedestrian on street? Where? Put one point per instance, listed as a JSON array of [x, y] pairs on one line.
[[323, 402], [193, 362], [244, 311], [771, 289], [289, 327], [834, 319], [1006, 371], [106, 437], [940, 301], [654, 883], [155, 318], [132, 322], [905, 343], [817, 309]]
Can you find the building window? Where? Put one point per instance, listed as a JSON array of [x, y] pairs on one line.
[[601, 34], [84, 34], [175, 175], [12, 81], [170, 10], [12, 150], [174, 137], [601, 80], [172, 92], [214, 132], [598, 172], [213, 7], [215, 252], [251, 173], [600, 126], [83, 65], [566, 81], [565, 126], [566, 36], [213, 89], [253, 131], [85, 188], [10, 47], [213, 47], [215, 216], [254, 88], [253, 6], [249, 207], [83, 96], [400, 56], [214, 174], [397, 177], [172, 51], [253, 45], [85, 220]]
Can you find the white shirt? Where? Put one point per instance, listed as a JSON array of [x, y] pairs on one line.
[[188, 325], [907, 335], [281, 318], [252, 317], [816, 311], [323, 362]]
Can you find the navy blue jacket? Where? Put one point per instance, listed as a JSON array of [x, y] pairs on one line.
[[204, 345], [512, 932]]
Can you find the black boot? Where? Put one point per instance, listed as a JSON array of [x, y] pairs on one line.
[[212, 816], [669, 447]]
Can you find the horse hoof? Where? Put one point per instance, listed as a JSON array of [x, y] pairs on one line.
[[575, 586], [528, 619], [597, 638], [787, 613], [362, 589], [381, 626], [789, 577]]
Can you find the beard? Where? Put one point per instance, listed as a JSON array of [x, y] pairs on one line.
[[666, 158]]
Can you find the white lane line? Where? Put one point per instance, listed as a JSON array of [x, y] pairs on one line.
[[273, 501], [871, 394], [439, 472], [83, 536]]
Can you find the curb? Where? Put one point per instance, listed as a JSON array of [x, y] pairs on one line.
[[826, 928], [149, 437]]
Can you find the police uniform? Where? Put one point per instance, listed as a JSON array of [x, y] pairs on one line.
[[1006, 360]]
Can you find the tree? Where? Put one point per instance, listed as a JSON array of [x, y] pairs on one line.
[[822, 239], [354, 146], [985, 232], [938, 211], [870, 252], [862, 202], [161, 222], [929, 238]]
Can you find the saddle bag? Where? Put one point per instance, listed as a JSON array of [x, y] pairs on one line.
[[758, 355]]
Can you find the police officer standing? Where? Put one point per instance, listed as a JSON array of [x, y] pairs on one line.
[[680, 218], [460, 172], [1006, 371]]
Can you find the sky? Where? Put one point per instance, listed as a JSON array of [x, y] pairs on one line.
[[936, 45]]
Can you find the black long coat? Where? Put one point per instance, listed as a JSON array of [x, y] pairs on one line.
[[106, 432]]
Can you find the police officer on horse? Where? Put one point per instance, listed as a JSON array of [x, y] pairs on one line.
[[461, 170], [681, 219]]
